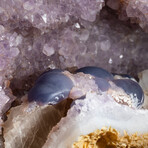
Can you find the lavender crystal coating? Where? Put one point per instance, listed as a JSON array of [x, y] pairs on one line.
[[46, 14], [30, 51], [135, 10], [138, 10]]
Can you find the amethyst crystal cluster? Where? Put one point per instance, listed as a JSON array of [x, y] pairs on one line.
[[36, 35], [134, 10]]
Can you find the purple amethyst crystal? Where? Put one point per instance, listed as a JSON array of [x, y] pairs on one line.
[[135, 10]]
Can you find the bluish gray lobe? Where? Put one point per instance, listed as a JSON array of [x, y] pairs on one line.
[[97, 72], [131, 87], [51, 88]]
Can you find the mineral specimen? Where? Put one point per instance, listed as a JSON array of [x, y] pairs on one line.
[[90, 102], [39, 35], [132, 89], [32, 51], [135, 10], [143, 76], [97, 72], [51, 87], [29, 129], [95, 112], [46, 14]]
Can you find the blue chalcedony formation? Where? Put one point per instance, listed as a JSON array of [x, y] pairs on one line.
[[132, 88], [54, 86], [51, 88], [97, 72]]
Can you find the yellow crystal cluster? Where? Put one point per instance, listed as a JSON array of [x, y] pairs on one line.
[[111, 138]]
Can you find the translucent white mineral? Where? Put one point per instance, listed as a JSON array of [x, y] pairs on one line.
[[143, 81], [95, 112], [29, 126]]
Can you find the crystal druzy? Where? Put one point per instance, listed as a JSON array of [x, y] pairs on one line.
[[37, 35]]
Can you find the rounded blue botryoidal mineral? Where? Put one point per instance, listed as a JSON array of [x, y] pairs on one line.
[[51, 88], [97, 72], [44, 75], [102, 84], [132, 89]]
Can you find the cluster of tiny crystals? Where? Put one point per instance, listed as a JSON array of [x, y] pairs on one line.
[[37, 35], [134, 10]]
